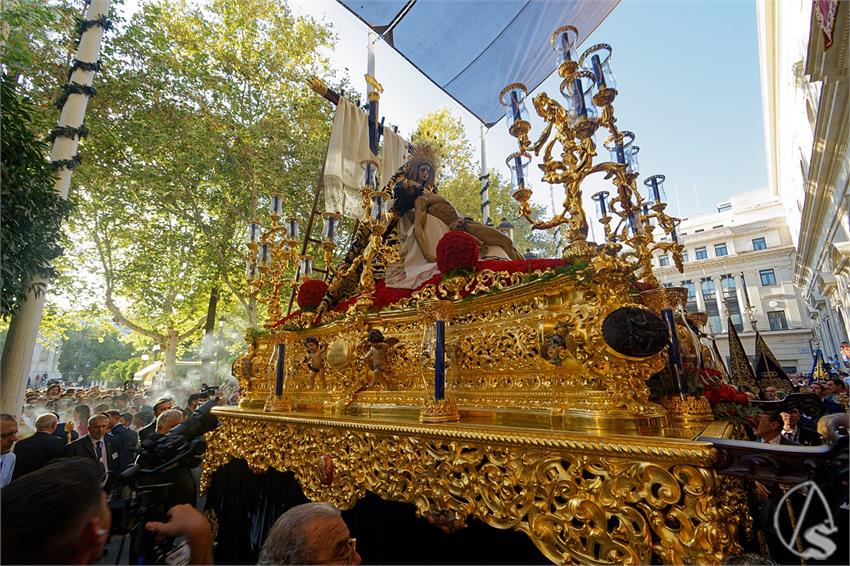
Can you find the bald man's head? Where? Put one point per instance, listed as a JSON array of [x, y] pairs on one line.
[[46, 423]]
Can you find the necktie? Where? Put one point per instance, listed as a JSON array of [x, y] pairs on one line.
[[788, 434], [101, 469]]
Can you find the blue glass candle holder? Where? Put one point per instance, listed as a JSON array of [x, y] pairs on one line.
[[512, 98], [520, 183], [564, 41], [597, 59], [581, 113]]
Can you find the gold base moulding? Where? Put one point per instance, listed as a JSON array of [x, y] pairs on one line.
[[580, 497], [439, 411]]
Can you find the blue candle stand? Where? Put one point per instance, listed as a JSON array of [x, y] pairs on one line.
[[439, 409], [276, 401]]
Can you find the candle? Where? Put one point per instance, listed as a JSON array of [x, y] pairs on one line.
[[278, 382], [440, 361], [621, 154], [674, 236], [565, 45], [330, 228], [520, 177], [581, 107], [276, 205], [264, 254], [632, 222], [292, 223], [655, 192], [675, 355], [515, 106], [253, 232], [597, 70]]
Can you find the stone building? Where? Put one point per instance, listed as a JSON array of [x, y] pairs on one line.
[[740, 260], [804, 51]]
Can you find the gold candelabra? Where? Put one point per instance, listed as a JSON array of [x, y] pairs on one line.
[[375, 203], [271, 253], [629, 220]]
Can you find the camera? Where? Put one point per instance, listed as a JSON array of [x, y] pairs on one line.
[[147, 482]]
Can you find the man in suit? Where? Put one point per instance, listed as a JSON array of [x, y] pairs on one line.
[[8, 436], [40, 448], [792, 430], [97, 445], [128, 440], [769, 429], [159, 407]]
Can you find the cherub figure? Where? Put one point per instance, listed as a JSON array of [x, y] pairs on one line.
[[377, 361], [315, 361]]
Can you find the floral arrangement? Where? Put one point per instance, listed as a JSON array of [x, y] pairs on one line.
[[729, 404], [457, 252], [310, 294]]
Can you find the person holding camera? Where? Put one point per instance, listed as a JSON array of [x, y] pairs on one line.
[[66, 495]]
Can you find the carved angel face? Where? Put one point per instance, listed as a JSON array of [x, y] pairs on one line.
[[423, 173]]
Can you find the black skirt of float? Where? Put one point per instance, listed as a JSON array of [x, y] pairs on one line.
[[387, 532]]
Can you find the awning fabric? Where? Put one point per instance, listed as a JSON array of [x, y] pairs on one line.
[[473, 48]]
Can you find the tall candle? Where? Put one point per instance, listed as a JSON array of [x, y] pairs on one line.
[[597, 70], [621, 154], [515, 106], [633, 222], [655, 192], [520, 176], [581, 107], [440, 361], [675, 355], [674, 236], [565, 45], [278, 382]]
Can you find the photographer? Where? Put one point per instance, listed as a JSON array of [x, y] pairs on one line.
[[67, 496]]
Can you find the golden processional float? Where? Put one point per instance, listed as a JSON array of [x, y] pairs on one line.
[[559, 398]]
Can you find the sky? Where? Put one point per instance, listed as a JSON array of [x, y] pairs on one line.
[[688, 82]]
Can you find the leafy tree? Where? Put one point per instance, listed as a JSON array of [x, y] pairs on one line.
[[32, 213], [459, 182], [86, 349], [116, 372]]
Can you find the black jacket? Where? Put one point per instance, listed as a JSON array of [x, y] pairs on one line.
[[147, 430], [63, 436], [84, 447], [34, 452], [128, 443], [807, 437]]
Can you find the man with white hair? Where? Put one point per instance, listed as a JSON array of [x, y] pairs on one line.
[[312, 533], [98, 445], [168, 419], [35, 452]]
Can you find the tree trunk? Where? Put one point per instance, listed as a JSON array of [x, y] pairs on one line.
[[171, 343], [17, 353]]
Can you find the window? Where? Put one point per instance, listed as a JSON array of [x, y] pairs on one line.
[[720, 250], [692, 295], [664, 260], [768, 277], [700, 230], [718, 226], [759, 244], [709, 296], [684, 257], [777, 320], [701, 253], [730, 299], [789, 369], [667, 285]]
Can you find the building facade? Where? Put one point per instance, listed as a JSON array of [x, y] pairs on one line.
[[804, 51], [740, 261]]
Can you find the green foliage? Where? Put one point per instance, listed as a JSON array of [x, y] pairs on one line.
[[32, 213], [86, 349], [116, 372], [458, 181]]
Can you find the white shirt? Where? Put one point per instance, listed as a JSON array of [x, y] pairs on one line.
[[7, 466], [104, 457], [774, 440]]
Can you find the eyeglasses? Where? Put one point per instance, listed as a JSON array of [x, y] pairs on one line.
[[349, 554], [8, 434]]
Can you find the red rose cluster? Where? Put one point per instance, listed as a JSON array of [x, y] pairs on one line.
[[310, 294], [721, 393], [457, 251]]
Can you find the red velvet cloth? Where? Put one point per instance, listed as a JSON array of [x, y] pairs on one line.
[[385, 296]]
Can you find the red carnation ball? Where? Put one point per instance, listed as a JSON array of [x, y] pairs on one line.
[[310, 294], [727, 393], [457, 251], [742, 399], [712, 396]]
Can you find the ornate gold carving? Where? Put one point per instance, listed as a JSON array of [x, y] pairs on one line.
[[665, 298], [441, 411], [589, 499]]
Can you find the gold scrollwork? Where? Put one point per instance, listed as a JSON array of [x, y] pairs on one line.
[[605, 501]]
